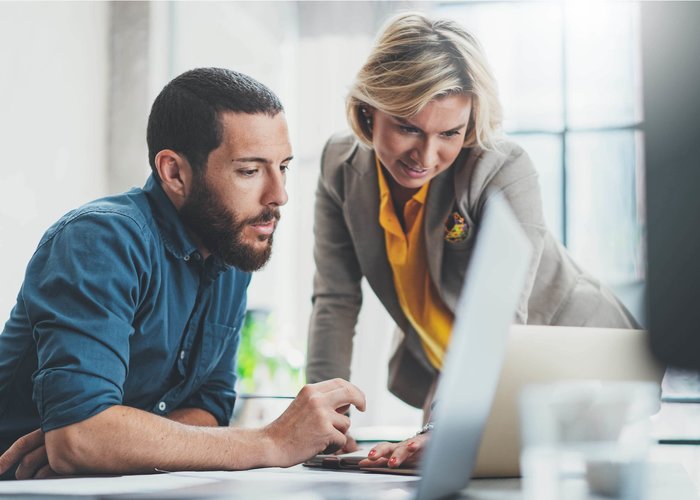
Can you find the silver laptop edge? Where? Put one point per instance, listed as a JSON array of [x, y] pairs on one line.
[[494, 282]]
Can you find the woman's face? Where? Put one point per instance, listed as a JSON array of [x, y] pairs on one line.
[[416, 149]]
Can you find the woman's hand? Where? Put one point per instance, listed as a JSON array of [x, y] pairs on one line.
[[406, 453]]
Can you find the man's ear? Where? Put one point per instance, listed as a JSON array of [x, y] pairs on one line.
[[175, 174]]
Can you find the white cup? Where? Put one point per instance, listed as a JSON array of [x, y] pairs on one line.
[[586, 439]]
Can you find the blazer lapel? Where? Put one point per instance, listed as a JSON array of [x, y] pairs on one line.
[[362, 213], [440, 201]]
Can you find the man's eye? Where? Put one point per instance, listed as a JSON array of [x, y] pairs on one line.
[[249, 172], [284, 168]]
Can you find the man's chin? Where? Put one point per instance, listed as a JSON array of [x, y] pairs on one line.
[[252, 258]]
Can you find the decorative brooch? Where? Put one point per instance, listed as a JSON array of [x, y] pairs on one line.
[[456, 228]]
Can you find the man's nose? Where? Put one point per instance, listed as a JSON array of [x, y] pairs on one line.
[[275, 191]]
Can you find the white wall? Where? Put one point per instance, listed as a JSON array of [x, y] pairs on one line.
[[53, 98]]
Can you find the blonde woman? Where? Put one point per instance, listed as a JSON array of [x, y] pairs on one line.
[[400, 199]]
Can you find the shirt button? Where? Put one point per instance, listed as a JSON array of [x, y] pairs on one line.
[[187, 258], [162, 406], [182, 354]]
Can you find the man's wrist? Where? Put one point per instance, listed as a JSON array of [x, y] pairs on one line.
[[268, 446]]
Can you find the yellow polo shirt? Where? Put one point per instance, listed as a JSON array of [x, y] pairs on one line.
[[417, 295]]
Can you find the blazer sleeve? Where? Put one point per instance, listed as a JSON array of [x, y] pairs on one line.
[[337, 293], [513, 175]]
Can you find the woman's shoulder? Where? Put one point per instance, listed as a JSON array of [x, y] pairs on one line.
[[503, 151], [339, 148], [504, 160], [343, 150]]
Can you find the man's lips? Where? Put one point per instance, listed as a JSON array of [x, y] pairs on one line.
[[265, 228]]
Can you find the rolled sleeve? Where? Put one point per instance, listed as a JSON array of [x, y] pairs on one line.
[[81, 292]]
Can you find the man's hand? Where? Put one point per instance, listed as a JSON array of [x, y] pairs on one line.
[[314, 421], [30, 452], [406, 453], [350, 445]]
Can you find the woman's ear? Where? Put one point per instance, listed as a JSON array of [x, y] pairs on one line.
[[367, 112], [175, 174]]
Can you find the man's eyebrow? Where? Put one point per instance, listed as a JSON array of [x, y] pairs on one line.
[[405, 121], [251, 159], [258, 159]]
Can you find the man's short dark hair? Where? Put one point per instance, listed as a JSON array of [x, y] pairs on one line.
[[185, 115]]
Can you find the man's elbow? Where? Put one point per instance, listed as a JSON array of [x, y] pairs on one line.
[[68, 450]]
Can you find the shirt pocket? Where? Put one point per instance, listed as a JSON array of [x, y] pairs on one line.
[[215, 340]]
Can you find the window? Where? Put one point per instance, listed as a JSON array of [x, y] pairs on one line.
[[569, 78]]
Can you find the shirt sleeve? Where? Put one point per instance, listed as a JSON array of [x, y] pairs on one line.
[[217, 393], [81, 292], [337, 292]]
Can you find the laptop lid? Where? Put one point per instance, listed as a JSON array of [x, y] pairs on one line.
[[492, 286], [538, 354]]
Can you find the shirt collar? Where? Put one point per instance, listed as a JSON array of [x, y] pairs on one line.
[[384, 192], [170, 226]]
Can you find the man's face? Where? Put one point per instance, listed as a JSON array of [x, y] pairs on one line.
[[233, 207]]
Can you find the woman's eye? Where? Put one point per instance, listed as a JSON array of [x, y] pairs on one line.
[[452, 133], [408, 130]]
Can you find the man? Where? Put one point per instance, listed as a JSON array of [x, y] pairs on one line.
[[119, 355]]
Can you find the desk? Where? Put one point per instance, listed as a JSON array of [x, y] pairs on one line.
[[675, 475]]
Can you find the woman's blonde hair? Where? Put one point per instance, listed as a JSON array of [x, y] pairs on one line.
[[416, 60]]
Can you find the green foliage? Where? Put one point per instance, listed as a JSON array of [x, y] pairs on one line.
[[264, 362]]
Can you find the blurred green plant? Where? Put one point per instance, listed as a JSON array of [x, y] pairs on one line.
[[265, 362]]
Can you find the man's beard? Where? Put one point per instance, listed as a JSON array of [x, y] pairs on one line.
[[221, 230]]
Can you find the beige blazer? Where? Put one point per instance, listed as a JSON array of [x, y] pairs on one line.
[[350, 245]]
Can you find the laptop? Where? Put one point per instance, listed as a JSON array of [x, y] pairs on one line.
[[540, 354], [494, 281]]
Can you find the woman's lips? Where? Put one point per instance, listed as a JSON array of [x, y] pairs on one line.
[[413, 172]]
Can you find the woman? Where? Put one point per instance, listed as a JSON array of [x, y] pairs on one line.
[[399, 201]]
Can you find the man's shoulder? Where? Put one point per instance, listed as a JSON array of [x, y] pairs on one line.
[[129, 211]]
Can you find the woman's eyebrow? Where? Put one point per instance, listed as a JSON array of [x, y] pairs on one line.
[[404, 121]]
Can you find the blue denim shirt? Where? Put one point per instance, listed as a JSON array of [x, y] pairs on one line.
[[119, 308]]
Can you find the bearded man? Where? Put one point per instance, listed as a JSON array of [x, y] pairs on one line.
[[119, 356]]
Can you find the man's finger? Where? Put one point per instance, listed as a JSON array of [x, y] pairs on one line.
[[353, 395], [341, 422], [45, 472], [346, 394], [20, 448], [350, 445], [31, 463]]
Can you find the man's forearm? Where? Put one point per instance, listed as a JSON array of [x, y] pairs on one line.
[[126, 440], [193, 416]]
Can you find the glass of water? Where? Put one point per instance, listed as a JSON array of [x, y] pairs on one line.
[[586, 439]]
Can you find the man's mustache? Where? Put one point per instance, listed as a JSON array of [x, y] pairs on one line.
[[267, 215]]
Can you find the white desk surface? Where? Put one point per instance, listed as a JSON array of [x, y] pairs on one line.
[[675, 474]]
